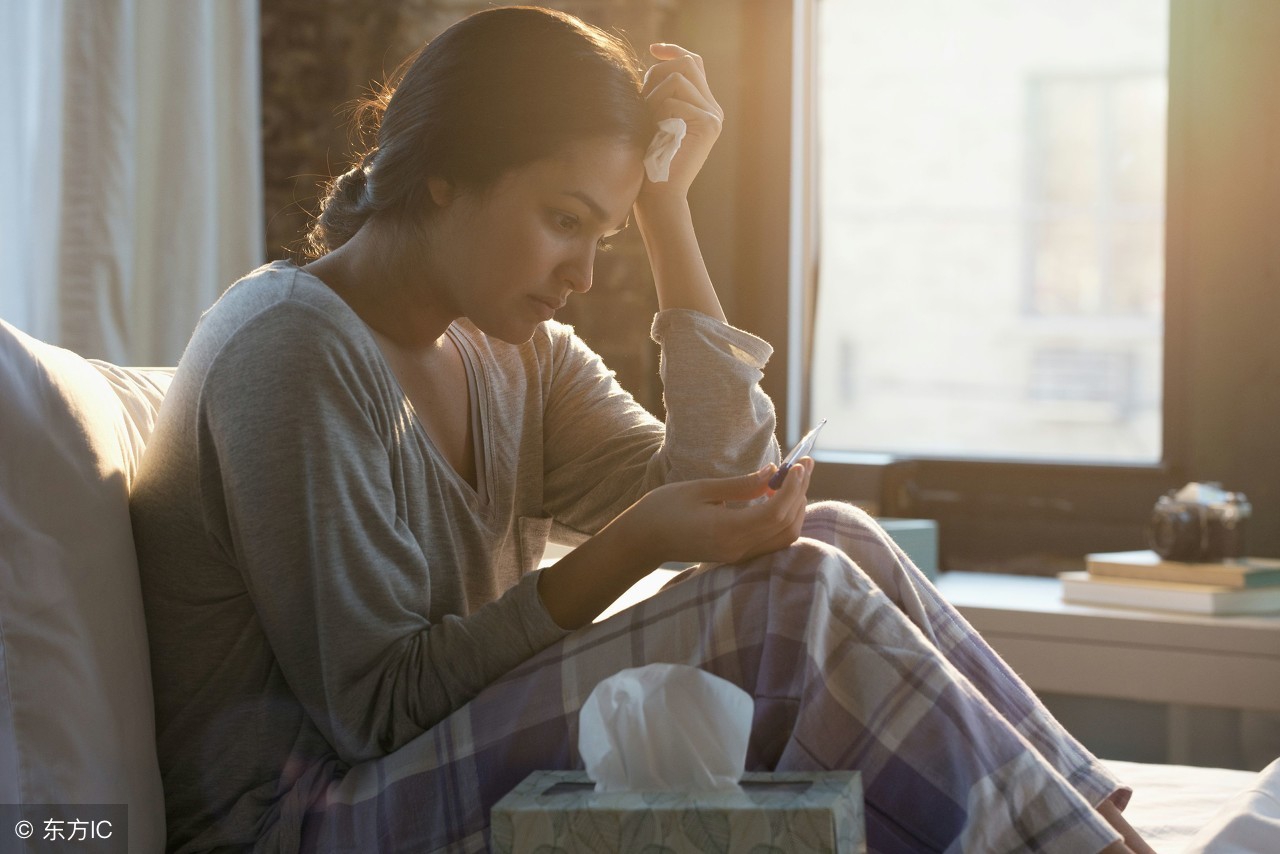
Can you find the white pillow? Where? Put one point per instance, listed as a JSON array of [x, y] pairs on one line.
[[140, 391], [77, 721]]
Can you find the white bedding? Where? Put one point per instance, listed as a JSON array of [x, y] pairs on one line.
[[1172, 804]]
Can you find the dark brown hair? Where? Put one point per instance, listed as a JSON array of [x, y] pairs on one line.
[[499, 89]]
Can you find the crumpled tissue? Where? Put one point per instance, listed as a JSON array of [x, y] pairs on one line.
[[663, 147], [665, 727]]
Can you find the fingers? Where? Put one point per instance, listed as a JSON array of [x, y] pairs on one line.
[[793, 498], [684, 67], [776, 523], [702, 522], [672, 55], [677, 89], [793, 495], [663, 50], [694, 117], [805, 463], [742, 488], [687, 66]]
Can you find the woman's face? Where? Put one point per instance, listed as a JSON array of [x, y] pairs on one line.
[[507, 259]]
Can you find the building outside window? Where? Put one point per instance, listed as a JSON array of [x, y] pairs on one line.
[[991, 182]]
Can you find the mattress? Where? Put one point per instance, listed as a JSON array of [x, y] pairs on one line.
[[1178, 808]]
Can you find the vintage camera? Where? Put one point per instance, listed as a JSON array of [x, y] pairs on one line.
[[1199, 523]]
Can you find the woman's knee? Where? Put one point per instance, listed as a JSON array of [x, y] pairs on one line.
[[818, 568], [853, 531], [790, 580], [876, 557], [843, 525], [842, 512]]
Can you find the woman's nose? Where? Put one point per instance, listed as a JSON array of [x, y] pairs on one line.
[[578, 271]]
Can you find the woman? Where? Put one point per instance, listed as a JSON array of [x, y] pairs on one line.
[[341, 511]]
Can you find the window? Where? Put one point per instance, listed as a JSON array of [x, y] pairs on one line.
[[1209, 378], [1094, 229], [991, 227]]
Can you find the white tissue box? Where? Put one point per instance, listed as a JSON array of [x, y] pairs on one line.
[[791, 812]]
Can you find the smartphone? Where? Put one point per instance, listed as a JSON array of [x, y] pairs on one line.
[[803, 447]]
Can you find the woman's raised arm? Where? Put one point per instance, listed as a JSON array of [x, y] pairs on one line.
[[677, 88]]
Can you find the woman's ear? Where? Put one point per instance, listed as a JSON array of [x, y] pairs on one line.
[[442, 191]]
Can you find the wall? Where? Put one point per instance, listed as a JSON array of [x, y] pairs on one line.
[[1228, 248]]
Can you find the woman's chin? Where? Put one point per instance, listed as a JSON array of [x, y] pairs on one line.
[[511, 332]]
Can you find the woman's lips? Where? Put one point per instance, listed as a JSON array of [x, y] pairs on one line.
[[546, 307]]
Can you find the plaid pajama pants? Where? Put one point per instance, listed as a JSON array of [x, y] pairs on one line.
[[854, 661]]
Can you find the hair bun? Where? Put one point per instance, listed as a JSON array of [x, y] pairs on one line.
[[350, 186], [344, 209]]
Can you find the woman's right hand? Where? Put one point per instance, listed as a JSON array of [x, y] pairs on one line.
[[704, 520], [676, 88], [694, 521]]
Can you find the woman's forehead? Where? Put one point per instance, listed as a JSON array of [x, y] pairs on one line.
[[608, 173]]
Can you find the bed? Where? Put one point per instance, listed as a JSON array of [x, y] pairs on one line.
[[76, 718], [1178, 808]]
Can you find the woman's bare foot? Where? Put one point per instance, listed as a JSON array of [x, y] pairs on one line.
[[1133, 843]]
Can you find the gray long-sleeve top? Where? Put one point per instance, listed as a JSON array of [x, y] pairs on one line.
[[321, 586]]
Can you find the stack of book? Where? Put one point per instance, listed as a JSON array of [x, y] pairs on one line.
[[1145, 581]]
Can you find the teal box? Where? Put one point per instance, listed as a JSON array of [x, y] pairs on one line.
[[560, 812], [919, 539]]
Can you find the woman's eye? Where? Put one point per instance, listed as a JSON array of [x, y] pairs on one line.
[[566, 222]]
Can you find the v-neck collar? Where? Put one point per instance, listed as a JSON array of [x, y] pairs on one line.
[[477, 394]]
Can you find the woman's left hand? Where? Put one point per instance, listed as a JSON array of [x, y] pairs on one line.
[[677, 88]]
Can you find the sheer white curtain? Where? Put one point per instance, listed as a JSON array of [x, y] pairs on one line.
[[133, 151]]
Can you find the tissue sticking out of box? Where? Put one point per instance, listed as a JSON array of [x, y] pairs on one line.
[[665, 727]]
